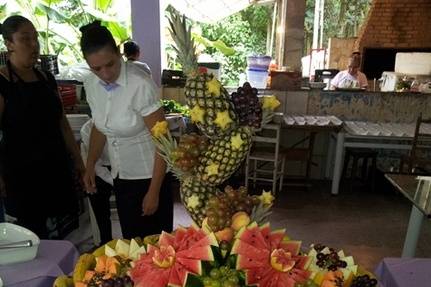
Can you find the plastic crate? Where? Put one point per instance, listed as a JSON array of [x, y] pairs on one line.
[[68, 95]]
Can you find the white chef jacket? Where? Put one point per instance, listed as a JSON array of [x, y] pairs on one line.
[[100, 168], [118, 114]]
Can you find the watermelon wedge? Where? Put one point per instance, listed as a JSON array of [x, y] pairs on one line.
[[268, 259], [175, 256]]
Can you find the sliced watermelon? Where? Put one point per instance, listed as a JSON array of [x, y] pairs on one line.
[[302, 262], [251, 234], [201, 253], [244, 262], [274, 237], [209, 239], [293, 246], [166, 239], [191, 265], [240, 247], [173, 259]]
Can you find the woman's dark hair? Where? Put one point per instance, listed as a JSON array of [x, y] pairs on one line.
[[130, 48], [11, 25], [95, 37]]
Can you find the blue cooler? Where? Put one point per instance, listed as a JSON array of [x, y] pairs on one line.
[[257, 78]]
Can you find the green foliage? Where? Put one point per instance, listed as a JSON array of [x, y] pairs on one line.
[[246, 32], [172, 106], [342, 18], [58, 23]]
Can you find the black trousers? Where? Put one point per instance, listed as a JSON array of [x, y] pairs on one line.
[[129, 195], [102, 209]]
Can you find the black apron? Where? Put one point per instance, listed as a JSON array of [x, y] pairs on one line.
[[37, 167]]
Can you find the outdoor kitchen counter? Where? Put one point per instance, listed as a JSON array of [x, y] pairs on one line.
[[370, 106], [347, 105]]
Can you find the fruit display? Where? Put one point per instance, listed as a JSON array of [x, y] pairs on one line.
[[223, 210], [247, 106], [231, 243], [237, 253], [226, 124], [177, 255]]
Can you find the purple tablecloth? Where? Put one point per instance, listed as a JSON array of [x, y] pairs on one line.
[[404, 272], [54, 258]]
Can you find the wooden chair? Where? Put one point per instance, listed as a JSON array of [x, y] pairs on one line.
[[419, 156], [265, 162]]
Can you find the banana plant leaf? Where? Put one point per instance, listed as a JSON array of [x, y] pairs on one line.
[[118, 31], [103, 5], [53, 14], [218, 44]]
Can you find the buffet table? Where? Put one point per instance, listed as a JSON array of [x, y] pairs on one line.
[[404, 272], [54, 258]]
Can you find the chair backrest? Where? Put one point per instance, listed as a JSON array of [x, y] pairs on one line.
[[422, 136], [269, 136]]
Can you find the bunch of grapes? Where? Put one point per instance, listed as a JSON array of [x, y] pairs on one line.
[[221, 207], [185, 156], [125, 281], [222, 277], [247, 106], [364, 281], [330, 261]]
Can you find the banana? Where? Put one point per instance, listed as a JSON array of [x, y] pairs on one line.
[[85, 262], [63, 281]]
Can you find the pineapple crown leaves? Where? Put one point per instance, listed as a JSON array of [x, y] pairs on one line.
[[165, 145], [184, 43], [260, 213]]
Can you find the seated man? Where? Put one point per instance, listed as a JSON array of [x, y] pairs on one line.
[[352, 77]]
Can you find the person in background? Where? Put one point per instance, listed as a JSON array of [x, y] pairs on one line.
[[39, 150], [352, 77], [125, 106], [132, 53], [100, 198]]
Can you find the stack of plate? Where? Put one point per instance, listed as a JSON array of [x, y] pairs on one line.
[[76, 122]]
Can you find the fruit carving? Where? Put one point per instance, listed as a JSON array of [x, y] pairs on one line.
[[173, 258], [203, 162], [267, 259]]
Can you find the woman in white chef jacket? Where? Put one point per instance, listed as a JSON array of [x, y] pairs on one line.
[[125, 106]]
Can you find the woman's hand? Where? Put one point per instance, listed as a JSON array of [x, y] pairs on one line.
[[90, 179], [150, 203]]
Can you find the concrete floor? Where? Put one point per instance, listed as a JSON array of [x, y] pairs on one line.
[[368, 225]]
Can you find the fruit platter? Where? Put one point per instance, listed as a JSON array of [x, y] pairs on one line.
[[226, 251], [231, 242]]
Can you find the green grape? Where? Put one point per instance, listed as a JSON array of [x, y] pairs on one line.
[[229, 284], [233, 279], [216, 284], [207, 281], [215, 273], [224, 270]]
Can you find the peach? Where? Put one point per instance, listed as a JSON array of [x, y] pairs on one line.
[[239, 220], [224, 234]]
